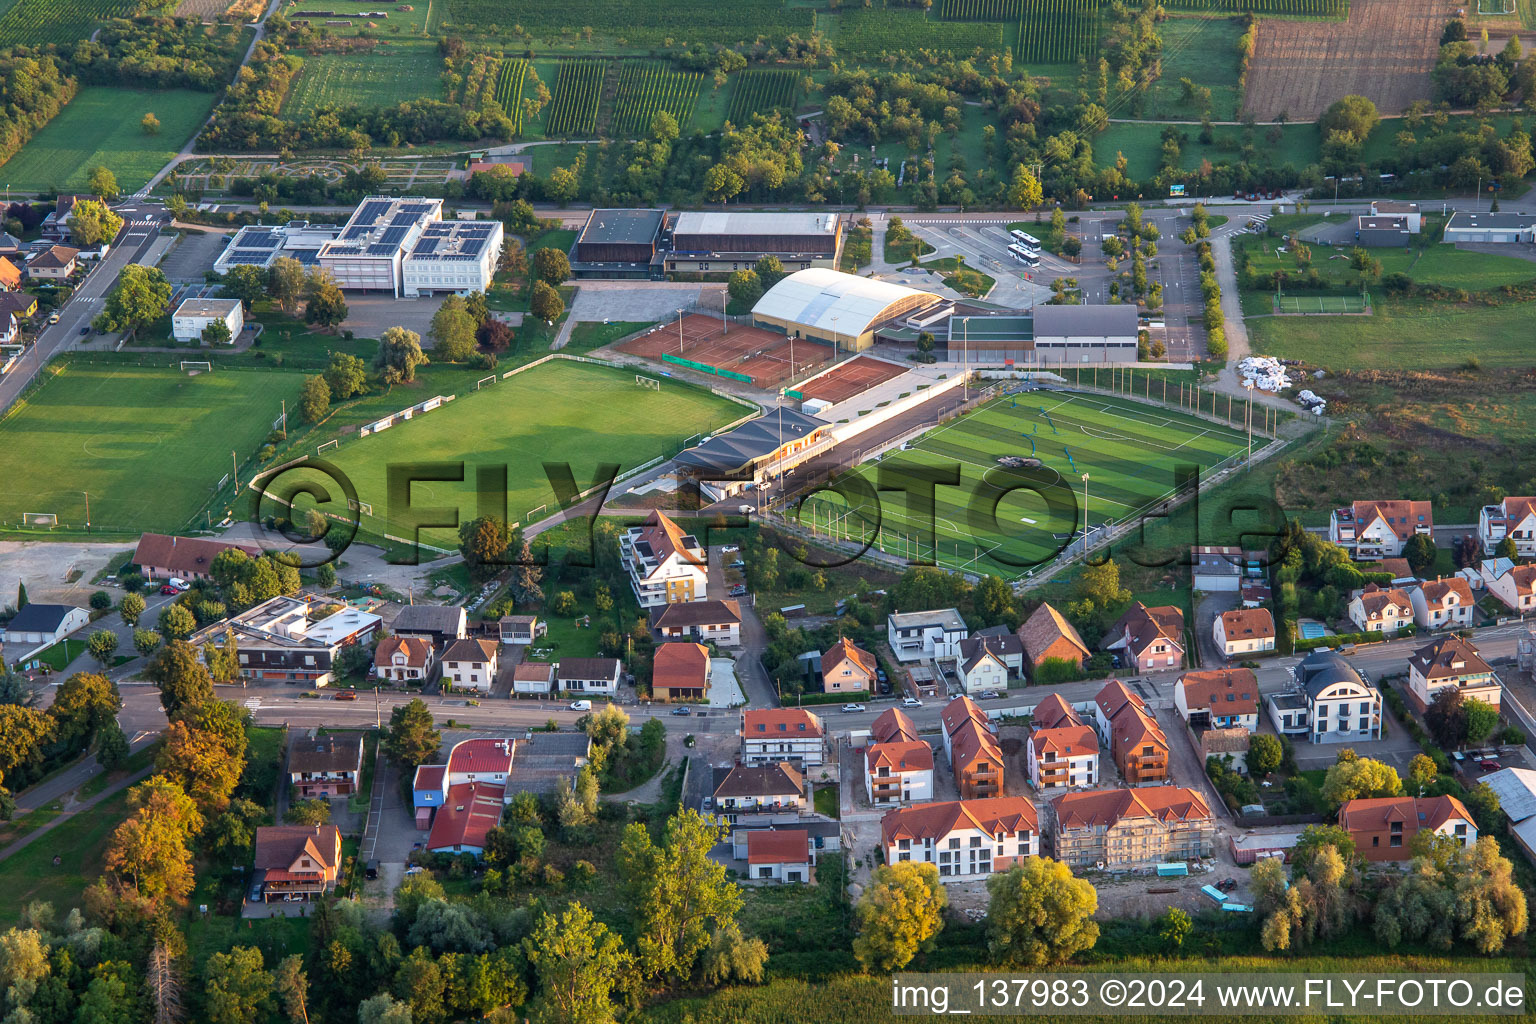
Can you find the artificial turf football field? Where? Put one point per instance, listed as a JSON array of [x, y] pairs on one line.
[[147, 443], [988, 523], [563, 411]]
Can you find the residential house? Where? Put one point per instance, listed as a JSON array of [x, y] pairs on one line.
[[1290, 713], [10, 333], [781, 734], [1515, 585], [277, 642], [739, 788], [825, 834], [404, 659], [1383, 827], [965, 839], [1244, 631], [1004, 644], [533, 679], [588, 676], [1516, 790], [847, 668], [1221, 699], [680, 672], [54, 263], [325, 765], [441, 624], [1048, 636], [521, 630], [19, 304], [893, 725], [1135, 740], [1216, 569], [10, 276], [899, 772], [665, 565], [973, 752], [1450, 661], [471, 665], [468, 813], [918, 636], [779, 855], [38, 625], [1229, 745], [1380, 610], [1371, 530], [1150, 638], [301, 861], [981, 665], [486, 762], [194, 316], [717, 622], [1062, 749], [1514, 518], [60, 220], [160, 556], [429, 788], [1341, 706], [1131, 829], [1444, 603]]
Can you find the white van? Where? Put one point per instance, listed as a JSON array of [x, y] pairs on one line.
[[581, 705], [179, 583]]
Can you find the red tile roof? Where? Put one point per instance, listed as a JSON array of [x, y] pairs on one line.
[[1065, 740], [1055, 711], [417, 651], [1402, 517], [481, 756], [278, 846], [1142, 625], [185, 556], [471, 810], [666, 538], [901, 756], [893, 725], [1449, 657], [429, 778], [972, 742], [779, 846], [998, 815], [960, 710], [766, 722], [1240, 623], [1107, 806], [1437, 591], [845, 648], [680, 665], [1375, 814], [1227, 691]]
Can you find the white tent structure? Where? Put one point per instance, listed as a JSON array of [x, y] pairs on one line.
[[828, 305]]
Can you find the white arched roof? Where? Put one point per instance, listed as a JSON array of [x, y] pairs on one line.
[[813, 297]]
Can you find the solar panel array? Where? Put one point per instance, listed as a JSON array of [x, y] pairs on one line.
[[371, 211], [394, 235], [457, 241]]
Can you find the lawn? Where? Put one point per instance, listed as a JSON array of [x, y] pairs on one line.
[[1402, 336], [62, 653], [79, 843], [1142, 144], [588, 335], [1439, 264], [379, 78], [563, 412], [963, 279], [1130, 451], [1204, 50], [149, 445], [826, 801], [101, 127]]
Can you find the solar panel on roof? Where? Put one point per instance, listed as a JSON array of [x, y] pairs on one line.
[[308, 257], [240, 260], [380, 249], [372, 212], [406, 217], [394, 236], [355, 232], [426, 246]]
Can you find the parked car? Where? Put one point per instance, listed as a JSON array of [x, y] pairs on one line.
[[729, 549], [255, 894], [990, 695], [739, 590], [581, 705], [852, 709], [180, 584], [85, 330], [885, 688], [683, 711], [738, 564], [911, 702], [1490, 766], [346, 695], [745, 510], [168, 589]]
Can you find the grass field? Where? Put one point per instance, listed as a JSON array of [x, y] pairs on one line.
[[1130, 451], [1142, 143], [101, 127], [32, 875], [563, 411], [1204, 50], [147, 444], [381, 78], [1439, 264], [1402, 336]]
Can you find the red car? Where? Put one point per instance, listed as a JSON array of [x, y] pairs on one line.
[[1490, 766], [346, 695], [168, 589]]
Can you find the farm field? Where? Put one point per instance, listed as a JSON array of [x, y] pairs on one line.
[[563, 411], [1058, 31], [647, 88], [760, 91], [1204, 50], [577, 91], [1401, 336], [1272, 8], [36, 22], [633, 24], [101, 126], [147, 444], [1131, 452], [382, 78], [510, 77], [867, 33]]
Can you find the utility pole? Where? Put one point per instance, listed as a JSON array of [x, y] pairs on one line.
[[1250, 421], [965, 359], [285, 416], [834, 340], [236, 463]]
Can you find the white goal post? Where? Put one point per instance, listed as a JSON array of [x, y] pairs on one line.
[[648, 382], [1495, 6], [333, 443], [197, 364], [48, 519], [486, 381], [366, 508]]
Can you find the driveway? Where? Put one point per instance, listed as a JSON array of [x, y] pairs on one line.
[[370, 315]]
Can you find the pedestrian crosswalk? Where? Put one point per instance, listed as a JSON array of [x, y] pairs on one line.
[[254, 703]]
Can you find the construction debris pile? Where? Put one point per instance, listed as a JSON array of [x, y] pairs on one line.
[[1309, 399], [1265, 372]]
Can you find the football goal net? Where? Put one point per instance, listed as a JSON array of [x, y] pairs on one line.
[[648, 382], [196, 366], [333, 443], [366, 508], [485, 382], [45, 519], [1495, 6]]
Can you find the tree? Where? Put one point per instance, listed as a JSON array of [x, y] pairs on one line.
[[201, 764], [246, 283], [112, 748], [1100, 585], [400, 350], [1314, 840], [91, 223], [100, 601], [1264, 754], [140, 297], [1483, 802], [452, 331], [419, 983], [1269, 884], [1446, 717], [308, 812], [523, 579], [577, 962], [721, 183], [314, 399], [23, 731], [150, 124], [1420, 552], [83, 705], [1422, 772], [1353, 114], [494, 335], [484, 542], [733, 958], [217, 333], [324, 305], [412, 738], [1174, 927], [131, 608], [291, 986], [1481, 718], [285, 283], [545, 302], [899, 915], [1038, 914], [564, 603], [148, 851], [1024, 193], [678, 892], [346, 376], [745, 287], [239, 987], [383, 1009], [1359, 779], [102, 182], [1506, 549], [21, 595], [769, 271], [181, 676], [326, 576], [551, 266], [145, 641]]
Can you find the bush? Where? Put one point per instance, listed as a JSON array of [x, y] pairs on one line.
[[1513, 737], [101, 600]]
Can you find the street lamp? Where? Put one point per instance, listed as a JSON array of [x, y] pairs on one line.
[[1249, 386]]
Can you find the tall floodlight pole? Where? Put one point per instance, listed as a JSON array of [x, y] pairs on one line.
[[1085, 517], [965, 359], [1249, 386], [679, 332], [834, 339]]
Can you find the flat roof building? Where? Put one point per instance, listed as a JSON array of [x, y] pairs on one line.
[[1043, 336], [260, 245], [618, 243], [1491, 227], [194, 316], [403, 246], [453, 256], [724, 242]]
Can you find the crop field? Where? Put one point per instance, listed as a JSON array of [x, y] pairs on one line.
[[509, 89], [979, 10], [868, 33], [383, 77], [100, 127], [148, 444], [648, 87], [1057, 31], [565, 412], [36, 22], [1385, 50], [578, 91], [640, 24], [1272, 8], [992, 521], [761, 91]]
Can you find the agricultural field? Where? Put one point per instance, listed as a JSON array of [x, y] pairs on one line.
[[760, 91], [1267, 8], [575, 97], [648, 87], [562, 411], [867, 33], [633, 24], [1130, 451], [979, 10], [37, 22], [1057, 31], [510, 77], [100, 126], [1203, 50], [148, 444], [383, 77]]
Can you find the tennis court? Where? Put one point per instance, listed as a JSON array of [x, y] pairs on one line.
[[766, 358], [852, 377], [1319, 305], [1020, 461]]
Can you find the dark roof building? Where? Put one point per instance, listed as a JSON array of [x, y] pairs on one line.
[[332, 752], [619, 236], [438, 623], [737, 449]]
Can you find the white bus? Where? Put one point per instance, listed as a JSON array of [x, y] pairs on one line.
[[1029, 241], [1023, 255]]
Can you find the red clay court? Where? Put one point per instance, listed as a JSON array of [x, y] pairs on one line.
[[759, 354], [853, 377]]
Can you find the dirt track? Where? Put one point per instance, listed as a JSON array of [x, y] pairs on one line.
[[1385, 52]]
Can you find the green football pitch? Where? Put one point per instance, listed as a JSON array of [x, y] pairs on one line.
[[578, 414], [148, 444], [1006, 520]]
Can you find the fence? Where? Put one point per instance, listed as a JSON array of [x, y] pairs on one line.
[[435, 402], [713, 371]]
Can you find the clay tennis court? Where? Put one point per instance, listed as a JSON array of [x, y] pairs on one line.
[[853, 377], [762, 355]]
